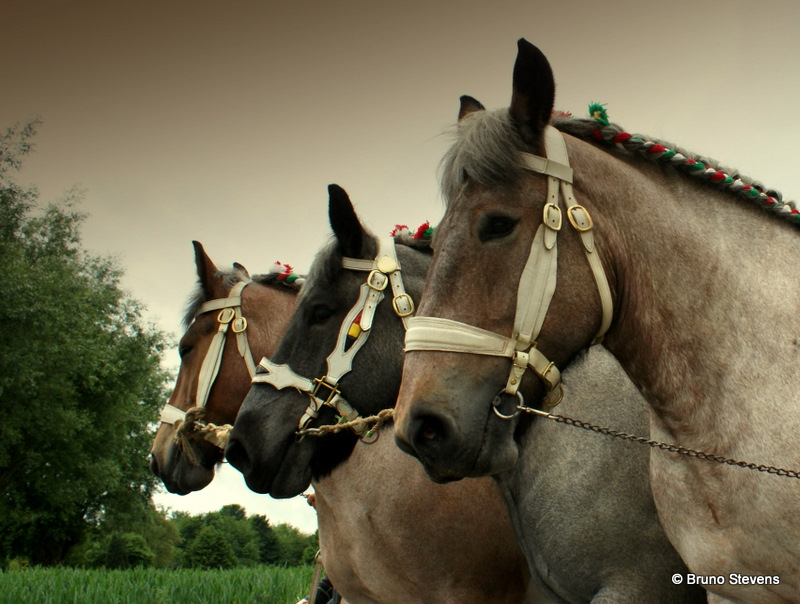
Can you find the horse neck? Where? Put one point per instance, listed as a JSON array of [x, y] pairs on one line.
[[705, 298]]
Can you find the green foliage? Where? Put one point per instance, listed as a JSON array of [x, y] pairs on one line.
[[274, 585], [206, 540], [80, 376], [120, 550], [210, 549]]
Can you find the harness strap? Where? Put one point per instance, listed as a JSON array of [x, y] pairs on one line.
[[536, 288], [230, 316], [384, 272]]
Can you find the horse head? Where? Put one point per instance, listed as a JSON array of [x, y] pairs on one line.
[[338, 359], [491, 309], [231, 320]]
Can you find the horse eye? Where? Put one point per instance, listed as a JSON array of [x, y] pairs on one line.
[[321, 313], [496, 227], [183, 351]]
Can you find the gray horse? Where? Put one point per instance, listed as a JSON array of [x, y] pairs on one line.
[[580, 503]]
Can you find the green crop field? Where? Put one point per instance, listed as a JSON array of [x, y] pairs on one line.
[[270, 585]]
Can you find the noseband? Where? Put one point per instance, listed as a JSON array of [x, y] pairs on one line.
[[383, 273], [229, 316], [536, 288]]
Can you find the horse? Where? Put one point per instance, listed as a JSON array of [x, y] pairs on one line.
[[685, 271], [394, 494], [432, 543], [184, 455], [618, 552]]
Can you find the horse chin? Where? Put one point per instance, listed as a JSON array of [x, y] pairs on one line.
[[182, 477]]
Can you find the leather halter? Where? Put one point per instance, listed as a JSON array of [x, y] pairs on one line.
[[536, 288], [230, 315], [384, 272]]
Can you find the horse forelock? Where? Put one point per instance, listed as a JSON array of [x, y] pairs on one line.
[[488, 150]]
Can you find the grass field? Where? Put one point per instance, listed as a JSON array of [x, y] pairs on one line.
[[265, 584]]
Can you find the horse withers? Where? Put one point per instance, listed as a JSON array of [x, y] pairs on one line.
[[690, 281], [581, 507]]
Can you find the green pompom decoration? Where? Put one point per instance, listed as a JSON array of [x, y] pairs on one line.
[[597, 112]]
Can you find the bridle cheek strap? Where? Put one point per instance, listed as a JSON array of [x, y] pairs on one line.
[[229, 317], [536, 288], [383, 273]]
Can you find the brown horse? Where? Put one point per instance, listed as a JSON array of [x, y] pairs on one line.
[[182, 457], [676, 262], [370, 508]]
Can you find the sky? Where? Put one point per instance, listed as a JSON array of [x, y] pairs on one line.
[[225, 122]]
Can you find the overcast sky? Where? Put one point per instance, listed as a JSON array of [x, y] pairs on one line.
[[225, 121]]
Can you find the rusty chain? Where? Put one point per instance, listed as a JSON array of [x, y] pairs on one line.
[[672, 448]]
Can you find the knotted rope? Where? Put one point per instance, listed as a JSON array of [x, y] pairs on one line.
[[193, 430], [368, 426]]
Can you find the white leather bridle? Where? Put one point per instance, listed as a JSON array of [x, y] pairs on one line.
[[384, 272], [230, 316], [536, 288]]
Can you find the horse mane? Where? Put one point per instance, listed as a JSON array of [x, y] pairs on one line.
[[230, 277], [487, 149]]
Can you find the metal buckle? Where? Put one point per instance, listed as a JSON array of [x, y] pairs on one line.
[[226, 315], [377, 280], [333, 391], [551, 215], [574, 221], [408, 306], [239, 325]]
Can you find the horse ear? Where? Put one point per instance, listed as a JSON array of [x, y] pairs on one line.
[[469, 105], [344, 222], [534, 92], [206, 269], [241, 269]]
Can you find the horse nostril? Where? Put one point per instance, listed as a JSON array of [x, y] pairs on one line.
[[236, 454], [430, 428]]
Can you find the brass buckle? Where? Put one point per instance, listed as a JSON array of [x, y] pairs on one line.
[[551, 215], [226, 315], [239, 325], [377, 280], [409, 305], [573, 221], [333, 391]]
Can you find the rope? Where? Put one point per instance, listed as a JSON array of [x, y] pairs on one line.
[[368, 425], [194, 429], [672, 448]]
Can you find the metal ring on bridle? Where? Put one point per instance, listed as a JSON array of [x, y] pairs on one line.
[[496, 401]]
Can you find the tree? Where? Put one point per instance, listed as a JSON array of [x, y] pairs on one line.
[[80, 375], [268, 548], [210, 549]]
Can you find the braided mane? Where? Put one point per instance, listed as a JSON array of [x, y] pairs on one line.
[[487, 149], [697, 166]]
